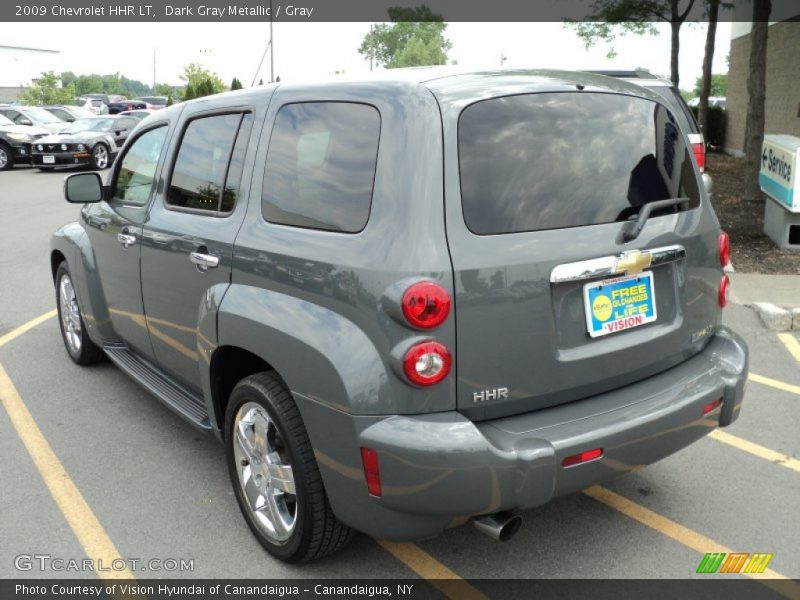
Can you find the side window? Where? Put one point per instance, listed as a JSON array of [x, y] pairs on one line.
[[125, 123], [137, 170], [209, 163], [321, 166]]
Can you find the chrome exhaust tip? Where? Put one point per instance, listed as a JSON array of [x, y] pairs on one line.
[[500, 526]]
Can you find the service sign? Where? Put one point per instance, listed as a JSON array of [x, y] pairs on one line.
[[614, 305], [780, 159]]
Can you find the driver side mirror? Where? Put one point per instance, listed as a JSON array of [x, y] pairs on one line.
[[82, 188], [25, 121]]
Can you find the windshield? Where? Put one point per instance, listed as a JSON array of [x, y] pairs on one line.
[[555, 160], [41, 115], [90, 125]]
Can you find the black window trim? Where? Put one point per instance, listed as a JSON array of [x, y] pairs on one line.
[[526, 231], [374, 173], [214, 112], [129, 142]]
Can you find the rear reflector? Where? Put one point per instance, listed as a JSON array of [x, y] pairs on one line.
[[699, 151], [712, 406], [724, 290], [372, 472], [583, 457]]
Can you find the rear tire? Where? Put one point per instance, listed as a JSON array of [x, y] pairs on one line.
[[81, 349], [6, 158], [268, 452]]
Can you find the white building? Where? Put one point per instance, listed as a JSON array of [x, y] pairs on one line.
[[19, 66]]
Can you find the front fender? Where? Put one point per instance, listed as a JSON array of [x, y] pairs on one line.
[[73, 243], [319, 353]]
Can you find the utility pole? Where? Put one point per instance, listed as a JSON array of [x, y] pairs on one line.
[[503, 59], [154, 69]]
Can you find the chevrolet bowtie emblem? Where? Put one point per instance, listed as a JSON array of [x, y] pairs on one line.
[[633, 262]]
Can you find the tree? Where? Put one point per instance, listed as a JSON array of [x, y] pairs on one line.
[[236, 84], [172, 94], [48, 89], [756, 92], [414, 38], [718, 85], [637, 17], [200, 82]]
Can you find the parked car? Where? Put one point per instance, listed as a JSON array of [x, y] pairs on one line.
[[717, 101], [137, 114], [67, 113], [95, 103], [15, 142], [154, 102], [93, 141], [393, 330], [124, 105], [675, 102], [33, 116]]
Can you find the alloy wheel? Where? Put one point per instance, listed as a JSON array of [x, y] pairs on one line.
[[101, 156], [70, 314]]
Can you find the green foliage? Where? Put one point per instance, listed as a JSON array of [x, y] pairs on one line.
[[105, 84], [200, 82], [592, 33], [47, 89], [172, 94], [236, 84], [719, 85], [414, 38], [717, 120]]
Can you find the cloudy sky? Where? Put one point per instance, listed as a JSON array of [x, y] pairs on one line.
[[307, 50]]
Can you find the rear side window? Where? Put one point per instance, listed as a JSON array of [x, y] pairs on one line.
[[321, 166], [209, 163], [557, 160]]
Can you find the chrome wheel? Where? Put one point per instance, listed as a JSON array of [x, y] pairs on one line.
[[264, 472], [3, 158], [70, 315], [100, 156]]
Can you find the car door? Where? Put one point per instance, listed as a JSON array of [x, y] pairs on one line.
[[188, 238], [114, 228], [122, 129]]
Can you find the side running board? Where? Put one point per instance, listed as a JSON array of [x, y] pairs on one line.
[[187, 405]]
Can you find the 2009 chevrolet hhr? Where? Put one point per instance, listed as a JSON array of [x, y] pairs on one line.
[[410, 302]]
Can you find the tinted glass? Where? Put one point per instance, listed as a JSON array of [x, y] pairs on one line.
[[321, 166], [125, 123], [199, 173], [234, 177], [138, 168], [555, 160], [677, 106]]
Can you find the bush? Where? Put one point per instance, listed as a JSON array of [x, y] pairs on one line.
[[717, 121]]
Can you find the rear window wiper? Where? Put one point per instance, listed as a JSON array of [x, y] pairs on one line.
[[632, 229]]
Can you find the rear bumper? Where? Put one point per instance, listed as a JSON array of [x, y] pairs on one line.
[[439, 469]]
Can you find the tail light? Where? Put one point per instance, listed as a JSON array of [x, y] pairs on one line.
[[724, 290], [699, 151], [724, 245], [711, 406], [372, 472], [427, 363], [426, 305], [577, 459]]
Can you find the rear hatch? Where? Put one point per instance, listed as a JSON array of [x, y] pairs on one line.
[[552, 303]]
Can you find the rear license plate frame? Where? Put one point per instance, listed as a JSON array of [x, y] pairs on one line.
[[602, 307]]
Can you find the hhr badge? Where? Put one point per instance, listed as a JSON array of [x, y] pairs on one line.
[[494, 394]]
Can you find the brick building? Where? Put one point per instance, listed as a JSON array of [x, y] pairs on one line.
[[783, 72]]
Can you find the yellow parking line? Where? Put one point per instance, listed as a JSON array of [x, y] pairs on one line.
[[423, 564], [688, 537], [760, 451], [781, 385], [791, 343], [26, 327], [67, 496]]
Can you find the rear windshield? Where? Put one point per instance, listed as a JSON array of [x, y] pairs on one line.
[[557, 160], [678, 107]]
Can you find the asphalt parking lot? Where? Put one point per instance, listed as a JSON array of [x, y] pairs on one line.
[[155, 488]]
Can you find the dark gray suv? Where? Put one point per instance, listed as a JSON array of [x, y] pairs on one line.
[[406, 303]]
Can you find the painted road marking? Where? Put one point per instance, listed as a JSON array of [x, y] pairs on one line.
[[781, 385], [423, 564], [791, 343], [688, 537], [756, 450], [26, 327], [90, 533]]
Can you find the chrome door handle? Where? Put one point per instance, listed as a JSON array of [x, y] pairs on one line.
[[126, 239], [204, 261]]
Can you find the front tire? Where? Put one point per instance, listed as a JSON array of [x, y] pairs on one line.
[[81, 349], [6, 158], [101, 158], [275, 475]]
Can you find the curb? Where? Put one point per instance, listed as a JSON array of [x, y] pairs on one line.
[[776, 318]]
